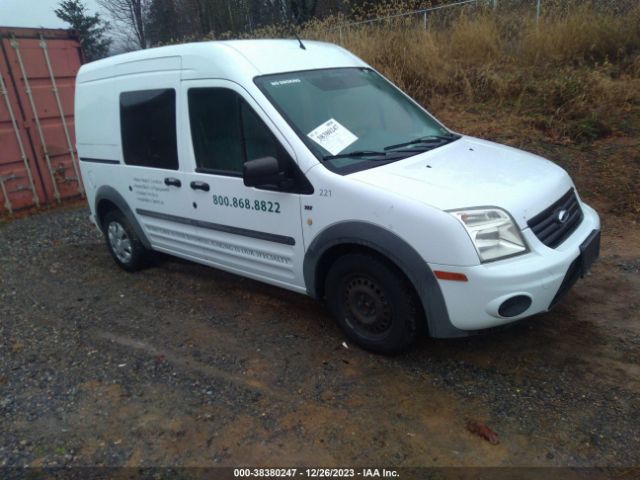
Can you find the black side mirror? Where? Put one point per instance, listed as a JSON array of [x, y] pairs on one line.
[[263, 172]]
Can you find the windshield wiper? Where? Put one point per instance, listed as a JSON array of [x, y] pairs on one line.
[[435, 140], [358, 153]]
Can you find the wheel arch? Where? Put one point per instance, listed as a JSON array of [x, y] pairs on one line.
[[108, 198], [346, 237]]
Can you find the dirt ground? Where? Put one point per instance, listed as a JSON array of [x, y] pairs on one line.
[[185, 365]]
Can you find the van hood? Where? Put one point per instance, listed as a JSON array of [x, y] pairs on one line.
[[470, 172]]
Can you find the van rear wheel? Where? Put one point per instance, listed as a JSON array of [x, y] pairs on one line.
[[372, 303], [126, 248]]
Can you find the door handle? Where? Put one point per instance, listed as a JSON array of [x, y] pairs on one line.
[[200, 186], [172, 182]]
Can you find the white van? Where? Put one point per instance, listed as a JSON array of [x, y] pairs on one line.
[[299, 165]]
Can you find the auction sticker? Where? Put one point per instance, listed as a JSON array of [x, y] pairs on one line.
[[332, 136]]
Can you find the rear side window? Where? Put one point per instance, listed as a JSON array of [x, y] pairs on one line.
[[148, 128], [226, 132]]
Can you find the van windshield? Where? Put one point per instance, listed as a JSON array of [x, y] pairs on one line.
[[352, 118]]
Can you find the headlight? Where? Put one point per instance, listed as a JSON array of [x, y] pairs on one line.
[[492, 231]]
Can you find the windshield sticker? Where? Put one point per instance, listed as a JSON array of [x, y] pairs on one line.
[[285, 82], [332, 136]]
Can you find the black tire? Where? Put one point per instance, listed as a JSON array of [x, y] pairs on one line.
[[126, 248], [373, 303]]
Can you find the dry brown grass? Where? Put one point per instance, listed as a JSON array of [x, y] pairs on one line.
[[574, 75], [582, 37]]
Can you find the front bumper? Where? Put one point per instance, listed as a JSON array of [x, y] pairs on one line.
[[544, 275]]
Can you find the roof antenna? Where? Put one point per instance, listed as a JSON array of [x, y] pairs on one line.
[[299, 41], [295, 34]]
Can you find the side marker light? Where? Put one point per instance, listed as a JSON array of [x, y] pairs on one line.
[[453, 276]]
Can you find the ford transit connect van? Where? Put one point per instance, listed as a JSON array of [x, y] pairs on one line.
[[301, 166]]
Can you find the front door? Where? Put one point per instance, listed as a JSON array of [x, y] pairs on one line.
[[252, 231]]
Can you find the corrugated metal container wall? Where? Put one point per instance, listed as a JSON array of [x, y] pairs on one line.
[[38, 161]]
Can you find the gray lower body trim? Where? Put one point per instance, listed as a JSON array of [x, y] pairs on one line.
[[109, 194], [397, 251], [269, 237]]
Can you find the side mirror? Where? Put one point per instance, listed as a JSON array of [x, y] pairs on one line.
[[262, 172]]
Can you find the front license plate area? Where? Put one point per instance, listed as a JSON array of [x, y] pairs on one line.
[[589, 251]]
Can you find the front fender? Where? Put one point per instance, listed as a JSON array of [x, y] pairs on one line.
[[395, 249]]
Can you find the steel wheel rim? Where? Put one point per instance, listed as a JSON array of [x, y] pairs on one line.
[[368, 310], [120, 242]]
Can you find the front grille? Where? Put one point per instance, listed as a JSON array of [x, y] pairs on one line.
[[551, 227]]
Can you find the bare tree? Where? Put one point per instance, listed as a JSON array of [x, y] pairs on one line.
[[131, 17]]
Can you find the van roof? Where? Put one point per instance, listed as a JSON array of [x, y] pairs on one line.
[[233, 59]]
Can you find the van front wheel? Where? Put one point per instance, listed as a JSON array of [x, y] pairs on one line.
[[126, 248], [372, 303]]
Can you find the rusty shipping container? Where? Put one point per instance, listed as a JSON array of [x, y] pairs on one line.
[[38, 161]]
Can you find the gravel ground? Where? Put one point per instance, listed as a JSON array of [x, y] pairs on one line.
[[184, 365]]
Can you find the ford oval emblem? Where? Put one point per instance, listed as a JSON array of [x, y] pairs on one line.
[[563, 216]]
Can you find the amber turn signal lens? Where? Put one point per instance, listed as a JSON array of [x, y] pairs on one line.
[[455, 277]]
